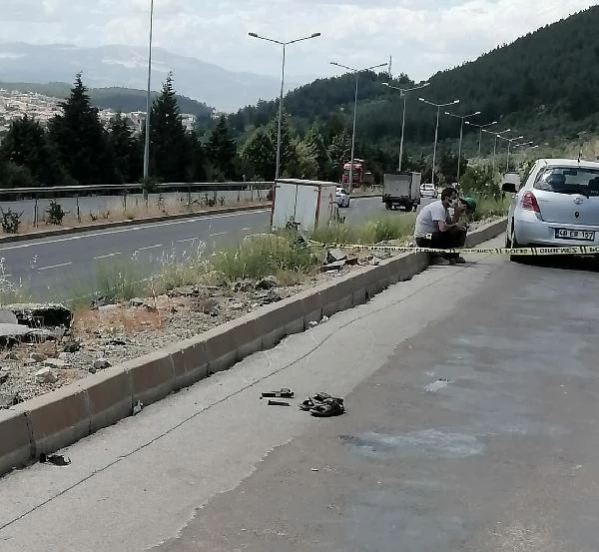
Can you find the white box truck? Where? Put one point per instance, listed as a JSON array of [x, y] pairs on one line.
[[401, 190], [305, 203]]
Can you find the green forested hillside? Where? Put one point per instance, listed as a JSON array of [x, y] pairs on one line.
[[544, 85]]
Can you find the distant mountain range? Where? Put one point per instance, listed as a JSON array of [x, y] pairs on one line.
[[126, 67]]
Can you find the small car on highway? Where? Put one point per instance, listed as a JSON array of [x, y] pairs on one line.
[[556, 206], [342, 197]]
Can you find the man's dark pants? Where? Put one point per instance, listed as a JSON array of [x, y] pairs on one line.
[[452, 239]]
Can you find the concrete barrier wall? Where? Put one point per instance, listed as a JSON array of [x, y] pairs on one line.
[[60, 418], [134, 203]]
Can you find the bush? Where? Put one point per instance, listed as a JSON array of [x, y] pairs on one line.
[[261, 256], [15, 176], [55, 213], [11, 221], [372, 231], [481, 182]]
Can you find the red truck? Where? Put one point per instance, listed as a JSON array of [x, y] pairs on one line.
[[360, 176]]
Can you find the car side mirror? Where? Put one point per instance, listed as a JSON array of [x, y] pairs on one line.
[[508, 187]]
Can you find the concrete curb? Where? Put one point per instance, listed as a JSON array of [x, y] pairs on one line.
[[60, 418], [124, 223]]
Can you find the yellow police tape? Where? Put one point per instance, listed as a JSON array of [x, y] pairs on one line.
[[519, 251]]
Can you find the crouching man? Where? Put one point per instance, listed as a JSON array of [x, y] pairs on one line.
[[436, 229]]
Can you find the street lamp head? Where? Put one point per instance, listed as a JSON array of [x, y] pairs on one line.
[[426, 84], [477, 113], [421, 100], [493, 123], [385, 83], [447, 113], [314, 35], [456, 101], [254, 35], [468, 123]]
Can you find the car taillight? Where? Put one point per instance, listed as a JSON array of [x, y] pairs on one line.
[[529, 202]]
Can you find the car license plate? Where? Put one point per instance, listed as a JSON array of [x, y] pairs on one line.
[[582, 235]]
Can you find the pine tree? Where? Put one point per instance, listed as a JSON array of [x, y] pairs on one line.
[[288, 151], [315, 144], [124, 149], [81, 141], [26, 145], [222, 149], [259, 152], [200, 165], [170, 147]]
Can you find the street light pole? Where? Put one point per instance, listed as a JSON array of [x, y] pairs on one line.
[[280, 117], [509, 143], [353, 134], [438, 106], [481, 129], [350, 183], [404, 94], [462, 119], [146, 169], [496, 135]]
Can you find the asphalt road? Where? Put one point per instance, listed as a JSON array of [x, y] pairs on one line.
[[471, 426], [69, 266]]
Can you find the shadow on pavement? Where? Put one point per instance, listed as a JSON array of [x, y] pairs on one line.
[[564, 262]]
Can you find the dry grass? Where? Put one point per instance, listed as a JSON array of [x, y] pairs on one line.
[[117, 321]]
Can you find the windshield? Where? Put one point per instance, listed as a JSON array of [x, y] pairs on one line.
[[567, 180]]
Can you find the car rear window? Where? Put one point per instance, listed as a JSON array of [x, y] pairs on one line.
[[569, 180]]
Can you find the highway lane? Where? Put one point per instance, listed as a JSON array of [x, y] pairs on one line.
[[61, 266], [487, 441]]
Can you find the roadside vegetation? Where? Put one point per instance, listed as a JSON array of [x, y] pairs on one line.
[[285, 255]]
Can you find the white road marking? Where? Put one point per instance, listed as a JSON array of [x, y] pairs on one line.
[[217, 234], [246, 229], [155, 246], [82, 236], [187, 240], [55, 266], [108, 255]]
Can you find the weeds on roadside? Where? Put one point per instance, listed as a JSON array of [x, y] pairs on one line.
[[11, 292], [11, 221], [386, 228], [55, 213], [119, 280], [257, 256], [262, 255]]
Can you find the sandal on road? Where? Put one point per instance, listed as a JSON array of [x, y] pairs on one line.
[[328, 409]]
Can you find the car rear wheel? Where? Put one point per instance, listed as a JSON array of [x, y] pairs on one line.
[[514, 245]]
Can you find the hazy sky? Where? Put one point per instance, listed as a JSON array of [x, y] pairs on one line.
[[422, 35]]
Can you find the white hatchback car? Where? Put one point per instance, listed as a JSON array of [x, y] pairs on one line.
[[342, 197], [557, 205], [428, 190]]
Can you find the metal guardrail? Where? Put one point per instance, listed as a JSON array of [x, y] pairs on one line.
[[125, 189]]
